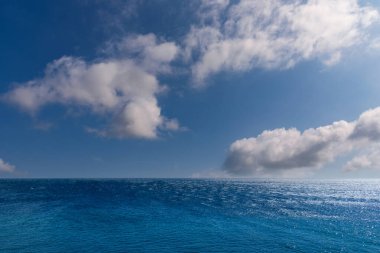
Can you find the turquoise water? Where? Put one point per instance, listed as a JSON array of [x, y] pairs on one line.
[[173, 215]]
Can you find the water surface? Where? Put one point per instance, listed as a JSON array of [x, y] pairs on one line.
[[181, 215]]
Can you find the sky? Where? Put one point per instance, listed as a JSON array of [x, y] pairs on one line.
[[203, 88]]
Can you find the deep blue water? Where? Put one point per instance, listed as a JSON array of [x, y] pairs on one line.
[[173, 215]]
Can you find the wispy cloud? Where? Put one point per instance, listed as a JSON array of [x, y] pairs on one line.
[[274, 34]]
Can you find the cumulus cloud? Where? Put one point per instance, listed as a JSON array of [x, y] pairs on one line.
[[152, 55], [368, 126], [121, 89], [6, 167], [273, 34], [279, 151], [288, 149], [369, 159]]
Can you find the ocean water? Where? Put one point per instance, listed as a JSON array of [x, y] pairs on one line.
[[175, 215]]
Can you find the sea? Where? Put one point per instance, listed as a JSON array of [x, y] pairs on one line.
[[186, 215]]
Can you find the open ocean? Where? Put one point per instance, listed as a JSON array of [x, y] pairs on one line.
[[183, 215]]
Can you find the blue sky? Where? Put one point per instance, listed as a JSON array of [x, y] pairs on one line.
[[176, 89]]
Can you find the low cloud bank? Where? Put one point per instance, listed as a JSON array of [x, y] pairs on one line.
[[6, 167], [283, 151]]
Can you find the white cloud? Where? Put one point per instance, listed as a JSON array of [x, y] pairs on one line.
[[370, 159], [283, 151], [367, 131], [274, 34], [368, 126], [375, 44], [152, 55], [6, 167], [119, 89], [210, 11], [333, 59], [288, 149]]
